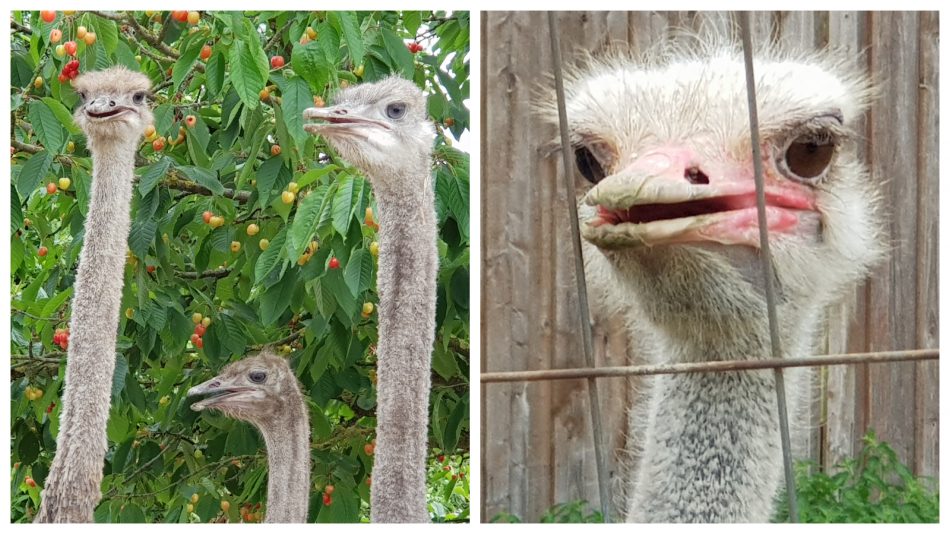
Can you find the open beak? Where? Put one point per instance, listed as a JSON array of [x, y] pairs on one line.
[[664, 198], [338, 120], [215, 391], [107, 113]]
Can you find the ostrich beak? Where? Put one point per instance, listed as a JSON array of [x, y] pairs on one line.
[[216, 391], [667, 197], [104, 108], [339, 120]]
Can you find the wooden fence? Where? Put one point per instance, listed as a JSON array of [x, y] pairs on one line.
[[537, 448]]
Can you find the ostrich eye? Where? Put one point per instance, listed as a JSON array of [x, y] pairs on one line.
[[138, 98], [588, 165], [808, 157], [258, 377], [396, 110], [82, 95]]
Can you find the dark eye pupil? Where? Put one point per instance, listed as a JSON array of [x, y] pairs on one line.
[[588, 165], [258, 377], [138, 97], [808, 158], [395, 111]]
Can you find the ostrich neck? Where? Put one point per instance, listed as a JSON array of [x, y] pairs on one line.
[[287, 438], [72, 488], [406, 280], [712, 451]]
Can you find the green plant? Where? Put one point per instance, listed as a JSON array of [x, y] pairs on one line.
[[212, 150], [568, 512], [874, 487]]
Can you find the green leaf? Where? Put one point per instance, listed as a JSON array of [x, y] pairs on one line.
[[47, 127], [150, 175], [343, 204], [141, 235], [309, 61], [16, 215], [185, 61], [63, 114], [304, 225], [231, 333], [203, 177], [350, 28], [270, 258], [245, 75], [34, 171], [359, 271], [214, 73], [269, 174], [402, 59], [107, 33], [277, 298], [296, 98]]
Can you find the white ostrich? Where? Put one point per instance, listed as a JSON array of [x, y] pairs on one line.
[[671, 244]]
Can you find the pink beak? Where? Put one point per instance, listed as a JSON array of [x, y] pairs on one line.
[[670, 195]]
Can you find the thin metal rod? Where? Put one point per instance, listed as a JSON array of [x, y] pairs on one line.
[[767, 267], [584, 310], [710, 367]]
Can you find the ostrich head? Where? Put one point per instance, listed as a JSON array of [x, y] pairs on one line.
[[254, 389], [664, 141], [114, 104], [371, 122]]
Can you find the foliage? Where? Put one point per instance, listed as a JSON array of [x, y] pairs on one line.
[[160, 452], [568, 512], [874, 487]]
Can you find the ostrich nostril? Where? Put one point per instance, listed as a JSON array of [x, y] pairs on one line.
[[341, 112], [214, 384], [695, 176], [112, 103]]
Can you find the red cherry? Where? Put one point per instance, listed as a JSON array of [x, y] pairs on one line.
[[205, 52], [200, 329], [71, 47], [49, 409], [73, 74], [42, 251], [48, 16], [199, 343], [207, 216], [277, 62], [327, 500], [195, 338], [334, 263], [62, 78], [50, 188]]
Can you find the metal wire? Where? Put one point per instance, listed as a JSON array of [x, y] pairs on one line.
[[584, 311], [767, 267], [710, 367]]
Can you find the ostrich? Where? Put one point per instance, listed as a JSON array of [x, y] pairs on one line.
[[671, 244], [382, 128], [113, 114], [263, 391]]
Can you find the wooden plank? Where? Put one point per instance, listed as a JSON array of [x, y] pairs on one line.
[[894, 54], [844, 385], [927, 438]]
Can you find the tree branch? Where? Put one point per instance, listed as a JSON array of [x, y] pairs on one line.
[[213, 273], [176, 182], [16, 26]]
